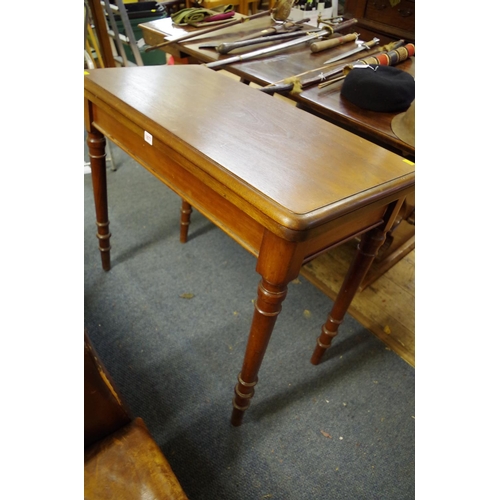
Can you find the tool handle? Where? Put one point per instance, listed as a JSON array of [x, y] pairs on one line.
[[333, 42], [291, 24], [273, 29], [390, 58], [266, 32], [371, 43], [392, 45], [345, 24], [279, 88]]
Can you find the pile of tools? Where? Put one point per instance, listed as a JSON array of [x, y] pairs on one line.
[[285, 34]]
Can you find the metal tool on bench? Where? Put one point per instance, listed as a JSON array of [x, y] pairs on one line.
[[225, 48], [271, 32], [333, 42], [295, 84], [363, 46], [326, 31], [390, 58], [269, 50]]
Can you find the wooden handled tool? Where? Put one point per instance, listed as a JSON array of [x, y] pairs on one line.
[[343, 25], [333, 42], [299, 85], [390, 58], [225, 48], [271, 32], [269, 50], [398, 54]]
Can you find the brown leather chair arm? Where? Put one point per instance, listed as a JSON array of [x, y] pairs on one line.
[[129, 465], [104, 411]]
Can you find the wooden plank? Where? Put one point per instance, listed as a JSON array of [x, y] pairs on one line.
[[102, 33]]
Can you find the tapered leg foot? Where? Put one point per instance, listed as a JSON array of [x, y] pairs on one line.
[[238, 410], [367, 250], [328, 332], [267, 308], [279, 263], [185, 220]]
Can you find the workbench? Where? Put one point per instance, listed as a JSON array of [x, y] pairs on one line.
[[281, 182]]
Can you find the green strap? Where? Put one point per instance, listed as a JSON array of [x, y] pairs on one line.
[[197, 14]]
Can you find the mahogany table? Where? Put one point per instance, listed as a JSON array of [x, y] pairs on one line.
[[246, 163]]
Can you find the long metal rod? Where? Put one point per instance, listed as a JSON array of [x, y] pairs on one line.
[[115, 33], [268, 50], [129, 32]]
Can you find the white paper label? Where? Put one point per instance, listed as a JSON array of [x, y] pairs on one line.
[[148, 138]]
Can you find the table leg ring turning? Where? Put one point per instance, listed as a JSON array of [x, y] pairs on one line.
[[241, 408], [242, 398]]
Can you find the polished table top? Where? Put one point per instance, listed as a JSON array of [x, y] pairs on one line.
[[301, 168], [327, 102]]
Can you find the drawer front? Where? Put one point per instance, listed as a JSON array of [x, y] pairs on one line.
[[401, 15]]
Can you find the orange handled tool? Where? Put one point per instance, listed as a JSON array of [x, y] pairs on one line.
[[333, 42]]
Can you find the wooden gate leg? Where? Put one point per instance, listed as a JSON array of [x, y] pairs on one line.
[[97, 154], [367, 251]]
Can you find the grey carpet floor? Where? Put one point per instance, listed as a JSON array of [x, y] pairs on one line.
[[344, 429]]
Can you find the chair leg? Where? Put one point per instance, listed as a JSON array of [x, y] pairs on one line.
[[185, 220]]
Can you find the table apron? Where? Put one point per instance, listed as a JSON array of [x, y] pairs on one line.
[[165, 164], [242, 221]]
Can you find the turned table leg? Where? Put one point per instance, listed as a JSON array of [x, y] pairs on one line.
[[185, 220], [367, 251], [279, 262], [97, 153]]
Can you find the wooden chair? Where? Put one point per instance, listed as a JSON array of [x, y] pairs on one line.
[[121, 459]]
